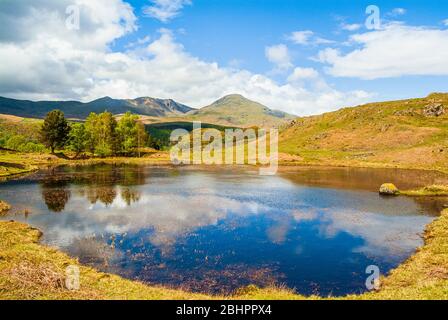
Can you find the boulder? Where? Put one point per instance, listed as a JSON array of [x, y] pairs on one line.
[[389, 189], [4, 207], [434, 110]]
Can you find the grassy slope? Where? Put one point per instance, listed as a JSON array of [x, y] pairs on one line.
[[387, 134], [29, 270]]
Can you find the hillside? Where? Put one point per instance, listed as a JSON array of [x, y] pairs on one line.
[[75, 109], [411, 133], [236, 110]]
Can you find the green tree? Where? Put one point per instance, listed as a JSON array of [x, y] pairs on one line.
[[55, 130], [101, 133], [78, 139], [127, 132], [131, 133], [142, 136]]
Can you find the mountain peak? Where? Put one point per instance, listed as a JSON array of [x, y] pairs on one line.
[[237, 110], [106, 98], [233, 96]]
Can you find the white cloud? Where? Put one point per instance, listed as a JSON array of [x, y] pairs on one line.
[[279, 55], [396, 50], [102, 21], [351, 27], [307, 37], [139, 42], [445, 22], [47, 61], [303, 74], [165, 10], [301, 37]]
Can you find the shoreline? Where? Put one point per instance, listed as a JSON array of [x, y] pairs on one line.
[[34, 162], [424, 275], [23, 260]]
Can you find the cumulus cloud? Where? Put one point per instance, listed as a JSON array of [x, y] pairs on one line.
[[394, 51], [303, 74], [279, 55], [445, 22], [165, 10], [46, 61]]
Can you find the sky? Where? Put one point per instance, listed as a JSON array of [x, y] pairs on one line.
[[302, 57]]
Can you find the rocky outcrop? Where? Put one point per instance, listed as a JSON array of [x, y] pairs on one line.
[[434, 110]]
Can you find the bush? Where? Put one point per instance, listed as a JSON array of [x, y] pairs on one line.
[[32, 147], [15, 142]]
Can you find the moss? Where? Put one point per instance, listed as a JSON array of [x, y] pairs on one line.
[[389, 189]]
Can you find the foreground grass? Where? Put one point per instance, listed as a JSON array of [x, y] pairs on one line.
[[29, 270], [425, 274]]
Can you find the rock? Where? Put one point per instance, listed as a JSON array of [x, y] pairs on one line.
[[389, 189], [4, 207], [434, 110]]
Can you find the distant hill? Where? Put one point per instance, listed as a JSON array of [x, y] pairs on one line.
[[236, 110], [410, 132], [75, 109]]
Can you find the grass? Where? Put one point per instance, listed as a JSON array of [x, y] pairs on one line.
[[425, 274], [29, 270], [14, 163], [386, 134], [435, 191]]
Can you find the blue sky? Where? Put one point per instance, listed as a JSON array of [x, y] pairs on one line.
[[304, 57]]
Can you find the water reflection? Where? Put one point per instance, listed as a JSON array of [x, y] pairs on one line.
[[55, 194], [217, 231]]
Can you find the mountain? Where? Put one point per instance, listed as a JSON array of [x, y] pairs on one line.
[[236, 110], [75, 109], [412, 133], [231, 110]]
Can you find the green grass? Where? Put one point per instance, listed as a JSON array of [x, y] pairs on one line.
[[384, 134], [434, 191]]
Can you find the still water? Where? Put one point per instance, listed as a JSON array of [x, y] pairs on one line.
[[314, 230]]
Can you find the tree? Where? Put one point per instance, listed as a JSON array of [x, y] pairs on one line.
[[142, 136], [101, 133], [127, 132], [55, 130], [131, 133], [78, 139]]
